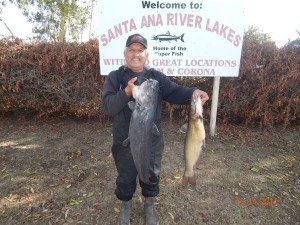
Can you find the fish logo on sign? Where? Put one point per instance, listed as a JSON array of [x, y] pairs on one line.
[[167, 37]]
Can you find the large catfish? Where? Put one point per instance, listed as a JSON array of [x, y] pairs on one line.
[[194, 141], [142, 126]]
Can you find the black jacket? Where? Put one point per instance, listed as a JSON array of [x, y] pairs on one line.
[[114, 98]]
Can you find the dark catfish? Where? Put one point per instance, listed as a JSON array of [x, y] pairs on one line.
[[142, 126]]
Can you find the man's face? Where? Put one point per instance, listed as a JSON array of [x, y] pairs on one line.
[[136, 56]]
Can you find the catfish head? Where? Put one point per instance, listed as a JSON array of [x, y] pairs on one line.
[[196, 109], [146, 94]]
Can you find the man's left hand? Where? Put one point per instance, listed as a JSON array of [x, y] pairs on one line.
[[202, 94]]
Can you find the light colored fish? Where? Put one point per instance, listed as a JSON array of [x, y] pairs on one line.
[[194, 141]]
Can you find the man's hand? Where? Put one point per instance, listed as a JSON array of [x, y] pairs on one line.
[[129, 87], [202, 94]]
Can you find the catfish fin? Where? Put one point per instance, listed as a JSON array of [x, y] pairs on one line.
[[126, 142], [155, 130], [132, 105]]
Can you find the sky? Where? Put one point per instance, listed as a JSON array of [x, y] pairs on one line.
[[279, 19]]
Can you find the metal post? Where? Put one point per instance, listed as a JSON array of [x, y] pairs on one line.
[[214, 106]]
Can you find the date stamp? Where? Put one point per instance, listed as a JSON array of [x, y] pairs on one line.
[[256, 201]]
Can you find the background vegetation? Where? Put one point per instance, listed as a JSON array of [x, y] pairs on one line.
[[63, 79], [55, 21]]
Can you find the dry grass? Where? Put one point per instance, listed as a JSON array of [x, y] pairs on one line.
[[60, 171]]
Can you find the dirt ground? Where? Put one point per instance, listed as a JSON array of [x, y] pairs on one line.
[[60, 171]]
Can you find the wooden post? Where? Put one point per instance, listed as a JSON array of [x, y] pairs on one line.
[[214, 106]]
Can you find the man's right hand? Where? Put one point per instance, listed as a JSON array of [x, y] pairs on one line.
[[130, 85]]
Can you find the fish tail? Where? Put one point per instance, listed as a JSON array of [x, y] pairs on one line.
[[186, 180], [181, 38]]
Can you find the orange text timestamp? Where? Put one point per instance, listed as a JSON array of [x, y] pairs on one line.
[[257, 201]]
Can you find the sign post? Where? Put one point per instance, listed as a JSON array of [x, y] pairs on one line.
[[214, 106]]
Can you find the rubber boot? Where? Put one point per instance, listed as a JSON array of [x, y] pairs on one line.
[[150, 212], [124, 218]]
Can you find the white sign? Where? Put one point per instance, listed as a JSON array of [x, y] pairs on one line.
[[185, 38]]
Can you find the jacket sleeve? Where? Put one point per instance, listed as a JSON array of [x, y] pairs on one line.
[[114, 99], [174, 93]]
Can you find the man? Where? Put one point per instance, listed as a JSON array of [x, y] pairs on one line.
[[117, 92]]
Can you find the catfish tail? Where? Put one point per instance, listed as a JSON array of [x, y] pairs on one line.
[[186, 180]]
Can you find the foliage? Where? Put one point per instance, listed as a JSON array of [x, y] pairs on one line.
[[57, 20], [255, 34], [50, 78], [293, 46], [2, 4], [267, 89], [63, 78]]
